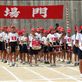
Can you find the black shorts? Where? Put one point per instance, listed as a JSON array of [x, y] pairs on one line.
[[79, 53], [50, 48], [45, 49], [2, 45], [75, 49], [33, 52], [13, 46]]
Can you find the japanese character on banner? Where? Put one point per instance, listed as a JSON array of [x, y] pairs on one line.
[[41, 11], [13, 12]]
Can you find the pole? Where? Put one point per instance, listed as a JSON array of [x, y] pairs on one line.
[[75, 15]]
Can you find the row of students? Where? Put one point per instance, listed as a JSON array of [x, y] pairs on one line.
[[47, 45]]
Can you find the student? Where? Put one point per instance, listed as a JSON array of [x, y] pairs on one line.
[[35, 46], [1, 42], [6, 55], [23, 45], [52, 41], [45, 46], [13, 40], [69, 46], [75, 48]]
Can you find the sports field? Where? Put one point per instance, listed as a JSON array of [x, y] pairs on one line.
[[42, 73]]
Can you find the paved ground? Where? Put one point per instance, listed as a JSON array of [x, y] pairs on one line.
[[43, 73]]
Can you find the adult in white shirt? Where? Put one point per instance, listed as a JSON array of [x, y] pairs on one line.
[[79, 45]]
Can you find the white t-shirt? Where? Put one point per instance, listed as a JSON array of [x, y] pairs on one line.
[[48, 36], [73, 38], [44, 40], [31, 37], [13, 37], [6, 38], [23, 39], [52, 37], [38, 35], [30, 40], [79, 38], [58, 35], [68, 40], [1, 37]]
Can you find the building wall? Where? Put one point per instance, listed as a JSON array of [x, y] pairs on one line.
[[74, 7]]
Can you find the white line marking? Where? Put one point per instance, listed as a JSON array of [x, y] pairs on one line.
[[38, 74], [18, 80], [73, 69], [36, 80], [62, 74]]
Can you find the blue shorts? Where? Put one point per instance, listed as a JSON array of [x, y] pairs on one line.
[[75, 49], [24, 48]]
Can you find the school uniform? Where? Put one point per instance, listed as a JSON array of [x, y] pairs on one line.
[[13, 38], [68, 43], [1, 40], [34, 44], [45, 44], [23, 44], [49, 38]]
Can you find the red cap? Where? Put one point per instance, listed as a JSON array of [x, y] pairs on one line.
[[20, 33], [33, 29], [48, 31], [61, 29], [8, 29], [81, 27], [51, 27], [45, 31], [1, 28], [58, 28], [68, 30]]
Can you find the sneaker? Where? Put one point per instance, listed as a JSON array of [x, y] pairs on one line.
[[4, 61], [52, 64], [36, 65], [16, 65], [75, 64], [46, 62], [11, 64], [23, 63], [30, 64], [1, 60], [68, 62]]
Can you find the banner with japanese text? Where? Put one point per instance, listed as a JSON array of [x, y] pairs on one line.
[[32, 12]]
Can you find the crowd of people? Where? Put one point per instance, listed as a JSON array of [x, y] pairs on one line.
[[41, 45]]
